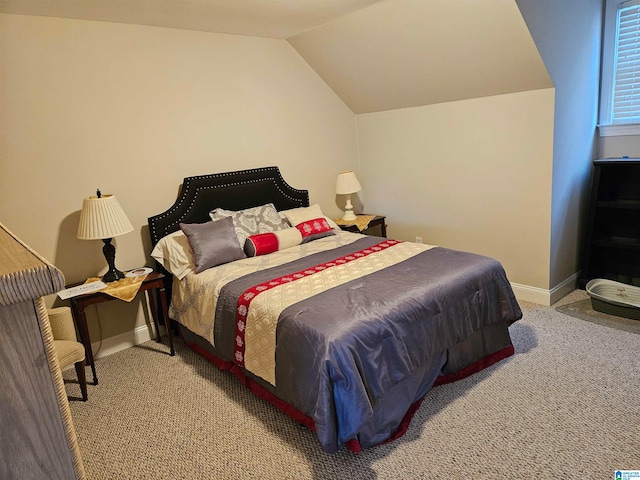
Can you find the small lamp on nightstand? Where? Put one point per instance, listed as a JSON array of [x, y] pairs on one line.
[[346, 185], [102, 218]]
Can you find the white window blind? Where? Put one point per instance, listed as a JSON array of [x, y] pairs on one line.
[[626, 77]]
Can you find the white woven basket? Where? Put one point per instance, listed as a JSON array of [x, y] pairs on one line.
[[614, 298]]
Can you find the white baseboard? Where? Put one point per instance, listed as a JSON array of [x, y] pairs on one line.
[[565, 288], [123, 341], [531, 294], [545, 297]]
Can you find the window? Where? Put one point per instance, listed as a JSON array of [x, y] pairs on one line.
[[620, 95]]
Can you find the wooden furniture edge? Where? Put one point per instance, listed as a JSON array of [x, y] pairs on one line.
[[18, 285]]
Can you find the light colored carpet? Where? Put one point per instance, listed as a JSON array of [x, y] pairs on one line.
[[566, 405]]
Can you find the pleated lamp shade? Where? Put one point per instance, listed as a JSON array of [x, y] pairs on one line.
[[102, 217]]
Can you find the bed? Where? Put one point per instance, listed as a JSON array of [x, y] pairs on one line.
[[343, 332]]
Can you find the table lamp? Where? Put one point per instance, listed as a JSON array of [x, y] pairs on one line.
[[102, 218], [346, 185]]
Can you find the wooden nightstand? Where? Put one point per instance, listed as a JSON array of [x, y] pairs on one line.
[[154, 282], [377, 226]]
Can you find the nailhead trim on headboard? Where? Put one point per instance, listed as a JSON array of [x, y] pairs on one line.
[[252, 179]]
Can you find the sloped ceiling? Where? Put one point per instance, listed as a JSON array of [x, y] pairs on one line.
[[375, 54], [262, 18], [407, 53]]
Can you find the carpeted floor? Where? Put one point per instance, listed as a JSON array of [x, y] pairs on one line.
[[566, 405]]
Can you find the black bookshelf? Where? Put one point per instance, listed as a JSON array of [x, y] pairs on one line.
[[611, 248]]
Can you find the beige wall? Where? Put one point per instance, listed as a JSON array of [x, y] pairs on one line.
[[473, 175], [133, 110]]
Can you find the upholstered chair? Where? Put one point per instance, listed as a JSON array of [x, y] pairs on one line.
[[68, 350]]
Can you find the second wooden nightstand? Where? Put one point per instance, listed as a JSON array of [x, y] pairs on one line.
[[153, 282], [377, 226]]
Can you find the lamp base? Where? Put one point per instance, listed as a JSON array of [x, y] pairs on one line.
[[112, 276], [109, 251], [348, 210], [349, 215]]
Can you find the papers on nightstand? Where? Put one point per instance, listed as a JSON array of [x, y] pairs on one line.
[[81, 289]]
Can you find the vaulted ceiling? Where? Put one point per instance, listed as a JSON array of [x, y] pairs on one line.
[[375, 54], [407, 53], [262, 18]]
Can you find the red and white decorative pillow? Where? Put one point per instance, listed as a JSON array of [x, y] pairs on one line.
[[264, 243], [314, 229], [296, 216]]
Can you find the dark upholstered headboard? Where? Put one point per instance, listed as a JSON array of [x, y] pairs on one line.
[[230, 190]]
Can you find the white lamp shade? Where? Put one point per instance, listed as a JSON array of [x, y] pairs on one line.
[[347, 183], [102, 217]]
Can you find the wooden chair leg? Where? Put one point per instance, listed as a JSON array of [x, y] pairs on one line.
[[82, 379]]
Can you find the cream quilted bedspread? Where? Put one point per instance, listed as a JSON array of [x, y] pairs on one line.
[[196, 296]]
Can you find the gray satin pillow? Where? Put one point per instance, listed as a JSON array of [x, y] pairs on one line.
[[213, 243]]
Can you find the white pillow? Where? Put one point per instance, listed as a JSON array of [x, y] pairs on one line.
[[296, 216], [173, 252]]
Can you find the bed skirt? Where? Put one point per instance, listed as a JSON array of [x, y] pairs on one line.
[[483, 349]]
